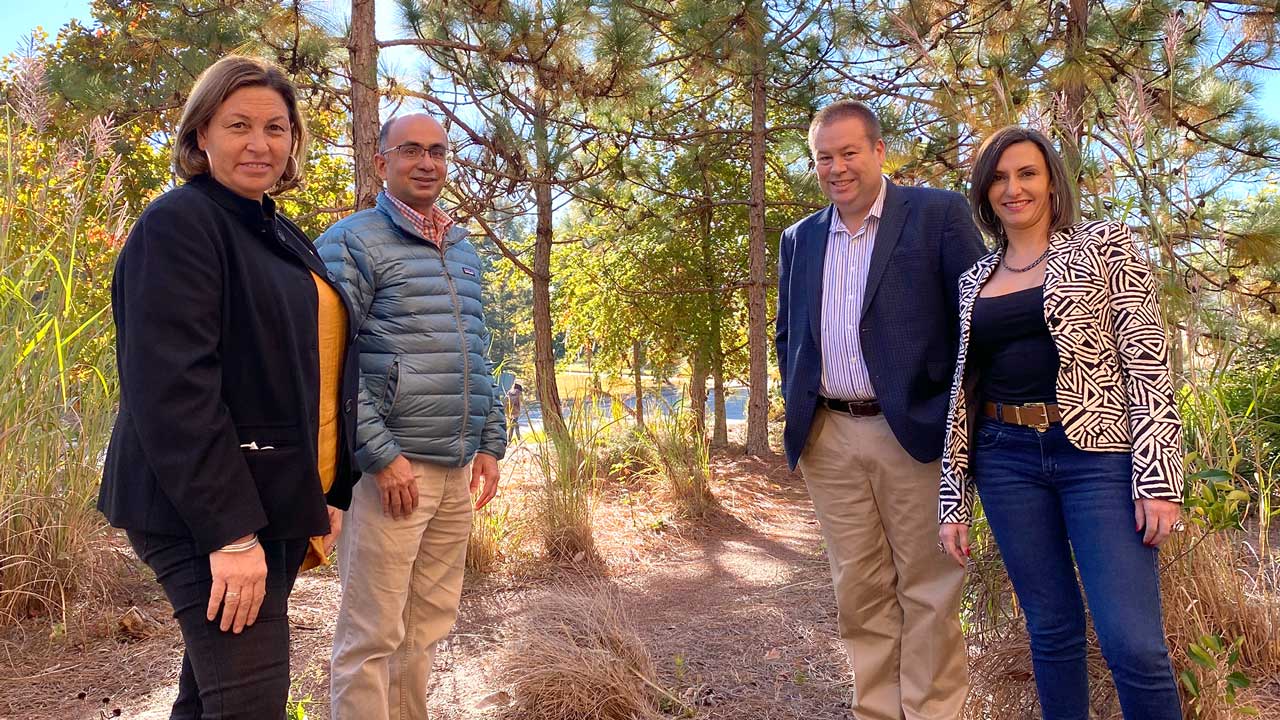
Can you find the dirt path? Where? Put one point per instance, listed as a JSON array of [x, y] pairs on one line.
[[736, 611]]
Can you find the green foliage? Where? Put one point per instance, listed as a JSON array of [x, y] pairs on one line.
[[62, 217], [1212, 683], [1214, 501], [508, 309], [1232, 430], [297, 709], [325, 195], [139, 60]]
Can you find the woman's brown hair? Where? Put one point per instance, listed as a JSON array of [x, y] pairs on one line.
[[1063, 207], [212, 88]]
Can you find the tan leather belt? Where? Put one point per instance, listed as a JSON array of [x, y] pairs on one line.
[[1036, 415]]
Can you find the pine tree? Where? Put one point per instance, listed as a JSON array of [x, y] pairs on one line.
[[538, 90]]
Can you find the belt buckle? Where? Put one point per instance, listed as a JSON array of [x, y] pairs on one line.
[[1042, 426]]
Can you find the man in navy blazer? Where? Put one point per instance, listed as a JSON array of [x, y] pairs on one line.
[[866, 338]]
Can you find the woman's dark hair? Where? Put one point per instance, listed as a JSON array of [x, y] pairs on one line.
[[212, 88], [1063, 207]]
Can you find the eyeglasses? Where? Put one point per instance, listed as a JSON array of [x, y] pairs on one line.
[[414, 151]]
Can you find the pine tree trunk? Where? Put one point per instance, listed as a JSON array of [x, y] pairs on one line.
[[1071, 122], [637, 369], [757, 351], [362, 48], [544, 358], [720, 432], [700, 362], [698, 391]]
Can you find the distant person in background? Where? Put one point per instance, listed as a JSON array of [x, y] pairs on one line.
[[237, 392], [1063, 419], [515, 397]]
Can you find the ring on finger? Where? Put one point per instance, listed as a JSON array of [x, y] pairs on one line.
[[1179, 526], [941, 548], [233, 595]]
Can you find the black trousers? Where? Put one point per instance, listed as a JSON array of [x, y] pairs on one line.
[[225, 675]]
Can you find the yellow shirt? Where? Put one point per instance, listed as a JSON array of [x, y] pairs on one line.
[[332, 318]]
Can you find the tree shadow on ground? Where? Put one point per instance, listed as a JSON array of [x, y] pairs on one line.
[[739, 617]]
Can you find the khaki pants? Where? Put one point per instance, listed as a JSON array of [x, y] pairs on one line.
[[401, 582], [898, 597]]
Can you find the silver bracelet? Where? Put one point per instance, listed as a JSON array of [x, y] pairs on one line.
[[245, 546]]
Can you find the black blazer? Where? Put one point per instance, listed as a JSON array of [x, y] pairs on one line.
[[217, 347], [908, 327]]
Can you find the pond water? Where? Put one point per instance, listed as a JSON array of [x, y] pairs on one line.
[[666, 400]]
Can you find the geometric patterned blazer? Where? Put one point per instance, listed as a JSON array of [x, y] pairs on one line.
[[1113, 380]]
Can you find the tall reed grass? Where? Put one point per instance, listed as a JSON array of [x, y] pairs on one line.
[[566, 463], [677, 457], [62, 217]]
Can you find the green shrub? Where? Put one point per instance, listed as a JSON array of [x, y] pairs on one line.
[[62, 219]]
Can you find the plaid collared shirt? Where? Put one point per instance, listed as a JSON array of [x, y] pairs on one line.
[[433, 227]]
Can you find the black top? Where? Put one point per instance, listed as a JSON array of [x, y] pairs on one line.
[[1012, 350], [217, 347]]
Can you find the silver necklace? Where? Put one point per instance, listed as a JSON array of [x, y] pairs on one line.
[[1039, 260]]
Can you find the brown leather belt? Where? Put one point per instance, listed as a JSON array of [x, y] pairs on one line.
[[1036, 415], [857, 408]]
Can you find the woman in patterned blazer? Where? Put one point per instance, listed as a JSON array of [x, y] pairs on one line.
[[1063, 420]]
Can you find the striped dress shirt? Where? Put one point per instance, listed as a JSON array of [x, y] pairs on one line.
[[844, 282]]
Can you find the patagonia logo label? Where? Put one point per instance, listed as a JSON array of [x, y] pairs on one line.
[[469, 271]]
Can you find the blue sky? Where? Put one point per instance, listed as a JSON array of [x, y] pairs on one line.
[[22, 16]]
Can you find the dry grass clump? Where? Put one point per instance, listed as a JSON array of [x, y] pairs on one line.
[[494, 533], [1002, 684], [677, 456], [576, 656], [1207, 591], [566, 467]]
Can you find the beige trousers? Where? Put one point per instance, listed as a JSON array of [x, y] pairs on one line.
[[897, 596], [401, 582]]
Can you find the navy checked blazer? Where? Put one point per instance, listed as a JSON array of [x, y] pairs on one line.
[[909, 322]]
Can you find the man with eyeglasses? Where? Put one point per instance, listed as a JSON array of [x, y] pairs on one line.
[[866, 338], [430, 430]]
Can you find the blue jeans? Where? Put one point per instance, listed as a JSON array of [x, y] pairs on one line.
[[1044, 498]]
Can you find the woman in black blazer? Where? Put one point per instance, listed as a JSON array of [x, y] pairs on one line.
[[237, 390], [1063, 419]]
